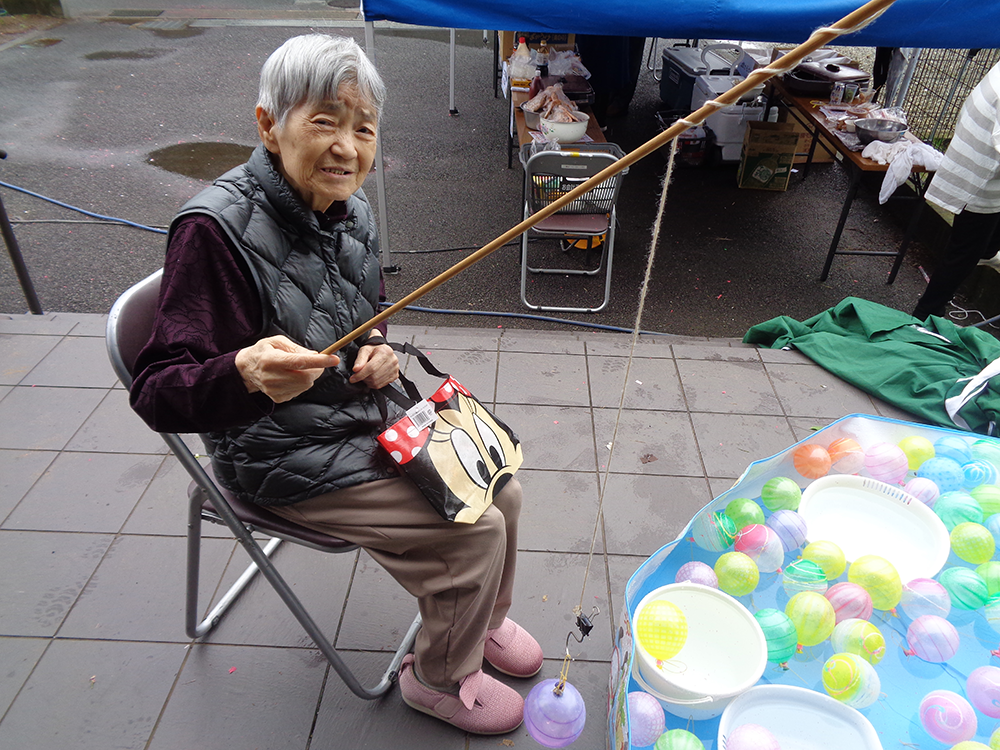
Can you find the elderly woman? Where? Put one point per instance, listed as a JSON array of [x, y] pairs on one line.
[[273, 262]]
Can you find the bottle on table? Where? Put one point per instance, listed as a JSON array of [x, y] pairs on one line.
[[521, 69], [536, 84], [542, 59]]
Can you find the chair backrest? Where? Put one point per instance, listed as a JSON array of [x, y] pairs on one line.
[[130, 323], [549, 175]]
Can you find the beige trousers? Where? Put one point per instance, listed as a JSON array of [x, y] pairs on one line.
[[461, 574]]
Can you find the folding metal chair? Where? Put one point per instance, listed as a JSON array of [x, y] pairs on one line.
[[548, 175], [129, 327]]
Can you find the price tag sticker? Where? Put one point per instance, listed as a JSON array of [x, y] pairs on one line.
[[422, 415]]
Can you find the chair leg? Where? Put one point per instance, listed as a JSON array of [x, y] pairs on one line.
[[196, 629], [266, 567], [607, 255]]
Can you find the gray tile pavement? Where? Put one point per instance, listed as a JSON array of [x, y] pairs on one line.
[[92, 523]]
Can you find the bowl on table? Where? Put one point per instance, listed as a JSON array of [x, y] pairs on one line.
[[531, 119], [565, 132], [887, 131]]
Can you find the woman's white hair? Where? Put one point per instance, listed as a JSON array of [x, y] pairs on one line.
[[311, 69]]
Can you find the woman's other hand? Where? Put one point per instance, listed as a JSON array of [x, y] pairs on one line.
[[376, 366], [280, 368]]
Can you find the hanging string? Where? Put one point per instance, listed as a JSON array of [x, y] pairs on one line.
[[654, 241]]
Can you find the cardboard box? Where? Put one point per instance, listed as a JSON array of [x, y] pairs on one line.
[[821, 155], [768, 155]]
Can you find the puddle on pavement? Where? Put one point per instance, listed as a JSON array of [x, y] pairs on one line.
[[200, 161], [41, 42], [132, 54]]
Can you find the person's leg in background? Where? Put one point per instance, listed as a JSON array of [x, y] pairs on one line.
[[974, 237]]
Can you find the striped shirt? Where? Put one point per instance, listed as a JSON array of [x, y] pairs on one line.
[[969, 175]]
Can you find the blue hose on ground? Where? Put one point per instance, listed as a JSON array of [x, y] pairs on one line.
[[485, 313], [526, 316], [91, 214]]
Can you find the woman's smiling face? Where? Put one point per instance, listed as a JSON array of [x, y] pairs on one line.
[[325, 150]]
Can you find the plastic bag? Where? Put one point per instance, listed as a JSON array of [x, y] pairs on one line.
[[566, 62]]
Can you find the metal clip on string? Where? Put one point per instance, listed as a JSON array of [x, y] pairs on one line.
[[585, 625]]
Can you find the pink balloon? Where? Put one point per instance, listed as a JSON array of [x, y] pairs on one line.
[[983, 689], [751, 737], [932, 638], [887, 463], [849, 601], [761, 544], [646, 719], [948, 717], [924, 490]]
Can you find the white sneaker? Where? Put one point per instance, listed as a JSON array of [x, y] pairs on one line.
[[993, 262]]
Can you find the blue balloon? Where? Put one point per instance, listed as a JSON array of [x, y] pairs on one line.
[[953, 447], [978, 472], [946, 473]]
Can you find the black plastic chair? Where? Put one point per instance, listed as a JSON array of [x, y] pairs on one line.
[[129, 327]]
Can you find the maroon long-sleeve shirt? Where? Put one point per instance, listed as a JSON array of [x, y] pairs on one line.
[[186, 378]]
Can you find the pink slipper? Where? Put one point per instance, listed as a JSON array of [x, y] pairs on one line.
[[484, 705], [512, 650]]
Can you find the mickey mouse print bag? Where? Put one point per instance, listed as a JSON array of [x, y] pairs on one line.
[[452, 447]]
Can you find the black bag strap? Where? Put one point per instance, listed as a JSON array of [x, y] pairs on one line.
[[410, 349], [412, 396]]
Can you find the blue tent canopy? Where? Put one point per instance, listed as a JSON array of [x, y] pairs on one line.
[[949, 24]]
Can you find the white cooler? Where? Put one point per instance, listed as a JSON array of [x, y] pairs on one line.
[[727, 125]]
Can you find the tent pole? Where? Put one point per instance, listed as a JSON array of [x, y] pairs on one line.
[[451, 92], [383, 225]]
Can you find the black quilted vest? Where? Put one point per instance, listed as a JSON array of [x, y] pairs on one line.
[[315, 286]]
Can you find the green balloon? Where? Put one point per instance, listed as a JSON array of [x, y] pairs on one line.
[[781, 493], [744, 512], [986, 450], [990, 572], [957, 507], [803, 575], [779, 632], [678, 739], [988, 497], [966, 588]]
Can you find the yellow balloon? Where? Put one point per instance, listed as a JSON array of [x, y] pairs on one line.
[[828, 556], [973, 543], [813, 617], [917, 449], [661, 628], [738, 575], [879, 578], [972, 745]]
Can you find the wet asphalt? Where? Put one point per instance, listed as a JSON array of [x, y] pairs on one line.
[[99, 118]]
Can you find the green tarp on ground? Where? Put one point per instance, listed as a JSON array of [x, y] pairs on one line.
[[935, 370]]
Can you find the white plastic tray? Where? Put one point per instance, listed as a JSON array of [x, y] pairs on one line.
[[864, 516], [799, 719]]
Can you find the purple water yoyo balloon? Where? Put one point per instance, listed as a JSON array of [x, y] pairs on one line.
[[790, 527], [554, 719], [697, 572]]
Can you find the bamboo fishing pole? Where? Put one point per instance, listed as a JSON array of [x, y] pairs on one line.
[[819, 38]]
